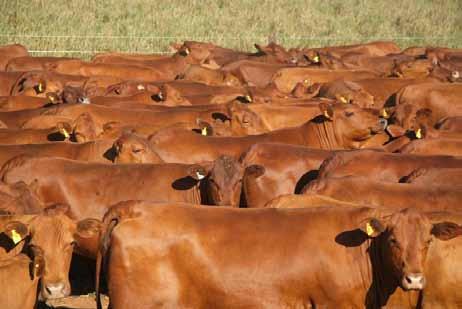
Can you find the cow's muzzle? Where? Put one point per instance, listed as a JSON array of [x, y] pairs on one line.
[[381, 126], [54, 290], [415, 281]]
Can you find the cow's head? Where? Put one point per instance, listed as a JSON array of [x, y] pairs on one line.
[[413, 69], [276, 53], [85, 129], [74, 95], [169, 96], [351, 123], [193, 52], [306, 89], [231, 80], [312, 56], [225, 181], [424, 123], [244, 121], [403, 240], [132, 148], [411, 117], [36, 84], [349, 92], [52, 234]]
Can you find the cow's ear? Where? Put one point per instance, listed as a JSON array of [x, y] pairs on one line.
[[372, 227], [64, 128], [327, 110], [52, 97], [197, 172], [446, 230], [204, 127], [41, 87], [87, 236], [16, 231], [88, 228], [262, 49], [254, 170]]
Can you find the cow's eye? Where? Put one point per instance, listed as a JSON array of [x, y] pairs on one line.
[[349, 114], [428, 242], [137, 150], [392, 242], [71, 245]]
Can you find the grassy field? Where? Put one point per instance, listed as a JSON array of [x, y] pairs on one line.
[[150, 26]]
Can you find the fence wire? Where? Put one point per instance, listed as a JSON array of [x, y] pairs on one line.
[[82, 28], [55, 45]]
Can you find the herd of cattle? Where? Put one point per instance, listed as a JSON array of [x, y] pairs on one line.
[[338, 170]]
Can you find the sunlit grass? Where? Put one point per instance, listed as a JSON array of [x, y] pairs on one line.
[[150, 26]]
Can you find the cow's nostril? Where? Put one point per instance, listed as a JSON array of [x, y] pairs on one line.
[[54, 288], [408, 279]]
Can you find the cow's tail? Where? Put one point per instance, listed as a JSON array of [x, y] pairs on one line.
[[112, 217]]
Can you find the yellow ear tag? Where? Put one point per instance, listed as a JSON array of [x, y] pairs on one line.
[[316, 59], [65, 133], [369, 229], [15, 236], [326, 114], [204, 131], [248, 98], [343, 100], [187, 51], [384, 113], [418, 133]]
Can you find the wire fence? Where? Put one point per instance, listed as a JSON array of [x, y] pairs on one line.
[[82, 28], [84, 46]]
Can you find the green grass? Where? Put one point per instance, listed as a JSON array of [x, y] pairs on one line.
[[151, 25]]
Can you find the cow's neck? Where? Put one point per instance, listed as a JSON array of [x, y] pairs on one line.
[[321, 134]]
